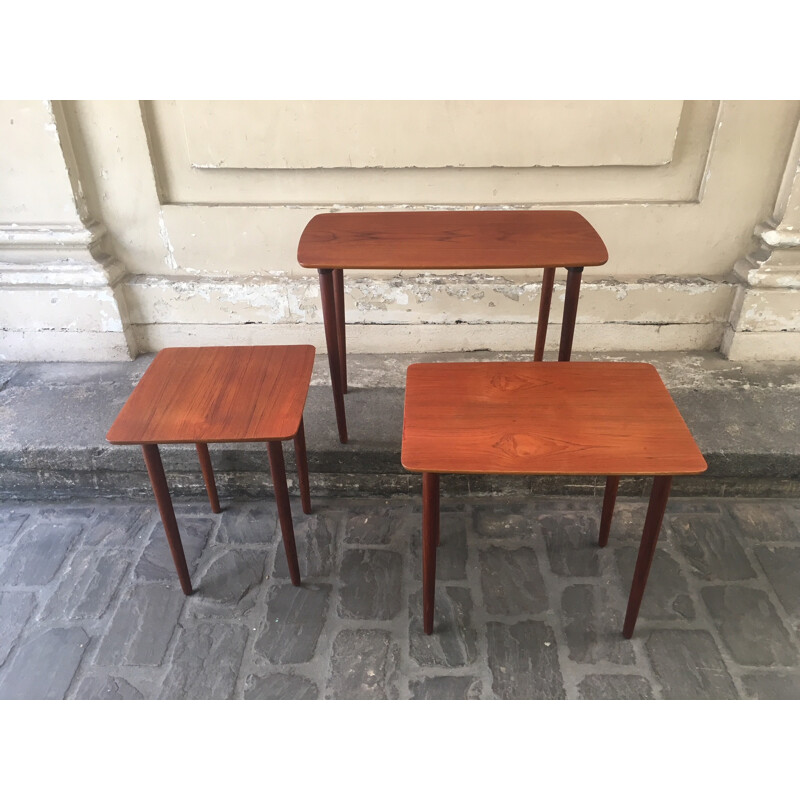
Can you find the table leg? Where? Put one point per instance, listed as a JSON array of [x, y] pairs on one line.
[[338, 302], [570, 312], [332, 341], [430, 540], [302, 466], [208, 475], [155, 469], [548, 276], [652, 525], [278, 469], [609, 499]]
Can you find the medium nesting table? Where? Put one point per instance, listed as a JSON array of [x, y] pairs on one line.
[[609, 419], [447, 240], [202, 395]]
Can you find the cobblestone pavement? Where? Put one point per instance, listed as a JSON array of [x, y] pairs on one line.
[[527, 606]]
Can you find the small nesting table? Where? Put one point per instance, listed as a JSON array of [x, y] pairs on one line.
[[581, 418], [446, 240], [202, 395]]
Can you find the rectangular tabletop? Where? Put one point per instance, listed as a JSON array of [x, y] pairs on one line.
[[450, 240], [537, 418], [217, 394]]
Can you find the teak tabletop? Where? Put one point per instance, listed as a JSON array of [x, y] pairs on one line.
[[450, 240], [544, 419], [473, 240], [217, 394]]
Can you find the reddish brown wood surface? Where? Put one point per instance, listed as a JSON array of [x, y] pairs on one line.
[[208, 476], [430, 541], [544, 418], [609, 501], [450, 240], [659, 495], [217, 394], [158, 480]]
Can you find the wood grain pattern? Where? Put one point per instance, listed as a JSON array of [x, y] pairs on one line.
[[450, 240], [544, 418], [217, 394]]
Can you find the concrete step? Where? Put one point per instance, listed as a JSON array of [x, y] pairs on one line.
[[54, 417]]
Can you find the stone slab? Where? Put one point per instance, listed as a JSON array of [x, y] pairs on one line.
[[293, 623], [689, 666], [749, 625], [44, 666], [523, 660], [280, 686], [363, 666]]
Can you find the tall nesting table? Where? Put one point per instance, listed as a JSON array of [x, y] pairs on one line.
[[581, 418], [451, 240]]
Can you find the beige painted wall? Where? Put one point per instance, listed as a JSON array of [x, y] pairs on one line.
[[185, 217]]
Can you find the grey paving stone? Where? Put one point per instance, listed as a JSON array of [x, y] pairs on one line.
[[252, 524], [511, 581], [666, 595], [710, 547], [572, 544], [454, 641], [107, 688], [315, 539], [37, 555], [15, 611], [451, 556], [142, 626], [363, 666], [228, 583], [10, 524], [505, 520], [749, 625], [206, 661], [370, 526], [593, 626], [44, 666], [782, 567], [446, 687], [615, 687], [88, 585], [120, 527], [771, 686], [294, 620], [523, 659], [689, 666], [156, 562], [764, 521], [628, 520], [370, 584], [279, 686]]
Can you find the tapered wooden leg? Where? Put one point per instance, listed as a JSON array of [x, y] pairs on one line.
[[430, 539], [208, 475], [302, 466], [548, 275], [338, 302], [652, 525], [332, 341], [155, 469], [609, 500], [570, 312], [278, 469]]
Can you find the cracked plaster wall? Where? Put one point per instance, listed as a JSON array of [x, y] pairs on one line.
[[207, 252]]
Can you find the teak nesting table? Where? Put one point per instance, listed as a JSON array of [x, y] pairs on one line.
[[201, 395], [448, 240], [584, 418]]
